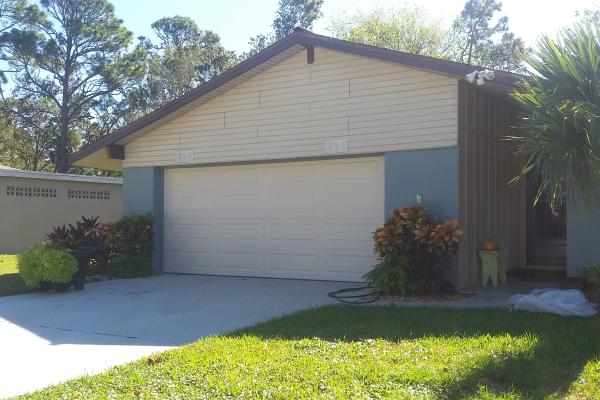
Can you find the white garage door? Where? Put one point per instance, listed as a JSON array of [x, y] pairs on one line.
[[307, 220]]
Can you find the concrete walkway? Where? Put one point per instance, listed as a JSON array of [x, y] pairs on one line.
[[494, 297], [47, 338]]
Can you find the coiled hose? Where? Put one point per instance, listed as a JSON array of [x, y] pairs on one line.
[[355, 295]]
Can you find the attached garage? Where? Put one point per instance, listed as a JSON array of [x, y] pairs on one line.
[[284, 165], [307, 220]]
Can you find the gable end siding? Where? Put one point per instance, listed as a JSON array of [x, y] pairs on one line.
[[293, 108]]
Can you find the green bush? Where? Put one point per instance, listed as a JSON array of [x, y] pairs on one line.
[[130, 242], [42, 263], [591, 281], [130, 266], [392, 276]]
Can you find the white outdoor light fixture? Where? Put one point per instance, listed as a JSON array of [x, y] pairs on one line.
[[480, 76]]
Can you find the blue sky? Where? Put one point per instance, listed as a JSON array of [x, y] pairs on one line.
[[237, 20]]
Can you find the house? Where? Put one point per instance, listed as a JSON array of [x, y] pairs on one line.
[[284, 165], [32, 202]]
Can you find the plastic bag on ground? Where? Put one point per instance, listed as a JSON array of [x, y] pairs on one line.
[[566, 302]]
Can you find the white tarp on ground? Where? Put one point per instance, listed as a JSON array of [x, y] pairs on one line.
[[567, 302]]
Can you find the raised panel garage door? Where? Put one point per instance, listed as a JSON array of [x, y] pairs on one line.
[[306, 220]]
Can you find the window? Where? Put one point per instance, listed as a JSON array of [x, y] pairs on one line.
[[88, 194], [29, 191]]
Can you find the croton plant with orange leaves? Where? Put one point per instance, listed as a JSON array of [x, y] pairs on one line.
[[411, 229], [415, 235]]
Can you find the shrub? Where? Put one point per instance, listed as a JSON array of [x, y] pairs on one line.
[[87, 232], [130, 266], [392, 276], [591, 280], [45, 264], [130, 242], [416, 236], [87, 236]]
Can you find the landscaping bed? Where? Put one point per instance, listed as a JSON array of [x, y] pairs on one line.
[[340, 352]]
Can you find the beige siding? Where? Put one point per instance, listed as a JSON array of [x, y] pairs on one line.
[[25, 220], [291, 110], [489, 207]]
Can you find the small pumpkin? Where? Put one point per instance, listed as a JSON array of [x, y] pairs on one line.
[[488, 245]]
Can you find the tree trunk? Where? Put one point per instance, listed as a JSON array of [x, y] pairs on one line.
[[62, 148], [62, 163]]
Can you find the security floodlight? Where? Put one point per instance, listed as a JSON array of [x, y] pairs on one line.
[[471, 77], [489, 75], [480, 77]]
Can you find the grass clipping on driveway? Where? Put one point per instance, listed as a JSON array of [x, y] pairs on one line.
[[345, 352]]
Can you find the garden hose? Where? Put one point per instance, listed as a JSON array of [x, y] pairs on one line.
[[347, 295]]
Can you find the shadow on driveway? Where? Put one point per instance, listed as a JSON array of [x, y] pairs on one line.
[[50, 337]]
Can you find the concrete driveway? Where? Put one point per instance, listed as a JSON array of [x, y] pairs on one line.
[[46, 338]]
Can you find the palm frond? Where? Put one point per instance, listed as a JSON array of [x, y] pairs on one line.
[[559, 117]]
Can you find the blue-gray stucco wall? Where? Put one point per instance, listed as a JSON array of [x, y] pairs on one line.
[[583, 239], [143, 189], [432, 174]]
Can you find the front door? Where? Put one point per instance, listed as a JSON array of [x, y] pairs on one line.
[[546, 232]]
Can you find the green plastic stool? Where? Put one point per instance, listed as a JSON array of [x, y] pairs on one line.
[[493, 267]]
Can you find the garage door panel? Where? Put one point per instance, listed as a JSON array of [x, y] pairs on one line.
[[195, 231], [238, 231], [293, 215], [292, 262], [235, 177], [250, 246], [191, 202], [360, 231], [241, 261], [350, 199], [291, 199], [292, 231], [364, 247], [188, 180], [175, 245], [235, 215], [341, 215], [193, 259], [291, 247], [238, 201], [347, 264], [173, 218], [294, 173], [305, 220]]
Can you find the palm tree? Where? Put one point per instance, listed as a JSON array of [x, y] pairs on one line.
[[559, 118]]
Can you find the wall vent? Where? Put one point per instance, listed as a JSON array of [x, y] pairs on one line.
[[336, 146], [185, 157]]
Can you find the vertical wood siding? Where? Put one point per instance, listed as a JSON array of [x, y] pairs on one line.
[[291, 109], [489, 208]]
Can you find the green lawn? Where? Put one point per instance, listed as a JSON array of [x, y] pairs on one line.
[[10, 281], [344, 352]]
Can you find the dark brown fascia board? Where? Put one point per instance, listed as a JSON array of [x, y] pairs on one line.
[[309, 39], [115, 151], [456, 69]]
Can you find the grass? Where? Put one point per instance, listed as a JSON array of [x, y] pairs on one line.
[[10, 281], [343, 352]]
